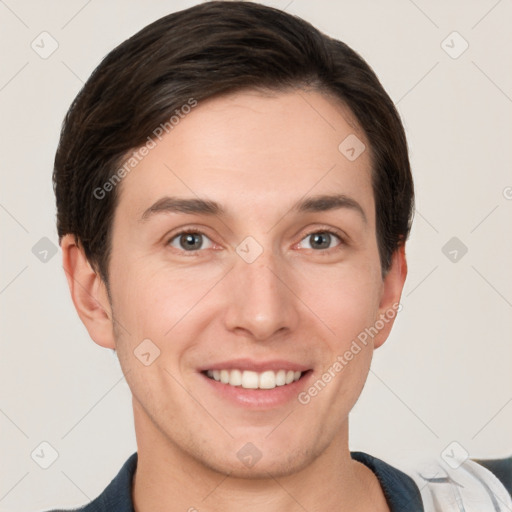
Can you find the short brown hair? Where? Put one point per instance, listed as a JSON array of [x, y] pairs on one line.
[[212, 49]]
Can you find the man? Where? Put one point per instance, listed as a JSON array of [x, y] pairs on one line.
[[233, 200]]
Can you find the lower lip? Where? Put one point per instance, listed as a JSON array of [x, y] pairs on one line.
[[259, 398]]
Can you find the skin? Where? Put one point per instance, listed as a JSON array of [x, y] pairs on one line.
[[256, 155]]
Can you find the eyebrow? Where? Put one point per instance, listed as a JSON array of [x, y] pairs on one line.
[[319, 203]]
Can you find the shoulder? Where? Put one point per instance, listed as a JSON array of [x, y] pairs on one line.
[[501, 469], [463, 484], [117, 495], [432, 484]]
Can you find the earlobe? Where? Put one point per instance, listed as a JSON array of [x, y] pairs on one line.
[[88, 292], [393, 285]]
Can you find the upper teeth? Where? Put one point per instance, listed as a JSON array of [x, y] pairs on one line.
[[254, 380]]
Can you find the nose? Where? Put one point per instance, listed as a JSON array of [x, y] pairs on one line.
[[261, 301]]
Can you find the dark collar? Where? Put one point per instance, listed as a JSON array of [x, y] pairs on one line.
[[400, 491]]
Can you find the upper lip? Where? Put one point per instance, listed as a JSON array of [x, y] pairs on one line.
[[256, 366]]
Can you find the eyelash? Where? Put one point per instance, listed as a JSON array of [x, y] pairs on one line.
[[330, 231]]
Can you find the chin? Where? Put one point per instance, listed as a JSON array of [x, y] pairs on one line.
[[254, 464]]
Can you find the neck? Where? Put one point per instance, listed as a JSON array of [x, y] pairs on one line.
[[169, 479]]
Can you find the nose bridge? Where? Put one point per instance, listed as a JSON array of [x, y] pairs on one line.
[[260, 300]]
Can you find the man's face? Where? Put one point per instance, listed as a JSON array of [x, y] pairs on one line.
[[257, 289]]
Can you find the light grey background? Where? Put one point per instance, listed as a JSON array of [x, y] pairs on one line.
[[444, 375]]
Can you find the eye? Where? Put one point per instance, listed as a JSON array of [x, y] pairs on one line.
[[189, 241], [322, 239]]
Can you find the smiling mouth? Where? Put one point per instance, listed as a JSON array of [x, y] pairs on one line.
[[247, 379]]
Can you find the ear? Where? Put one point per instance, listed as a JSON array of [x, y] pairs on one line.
[[88, 292], [392, 287]]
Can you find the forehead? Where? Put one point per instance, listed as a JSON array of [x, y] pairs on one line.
[[252, 152]]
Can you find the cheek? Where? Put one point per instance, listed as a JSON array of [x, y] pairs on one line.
[[346, 300], [157, 302]]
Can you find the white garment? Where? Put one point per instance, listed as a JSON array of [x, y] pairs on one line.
[[468, 488]]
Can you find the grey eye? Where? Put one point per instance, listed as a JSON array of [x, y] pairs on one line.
[[321, 239], [189, 241]]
